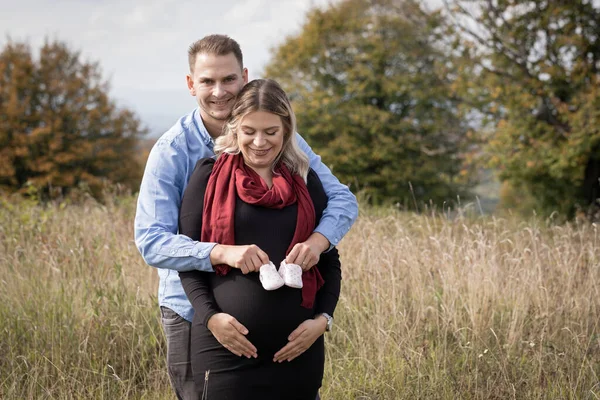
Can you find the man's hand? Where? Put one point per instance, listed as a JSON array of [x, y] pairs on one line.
[[231, 334], [306, 254], [246, 258], [302, 338]]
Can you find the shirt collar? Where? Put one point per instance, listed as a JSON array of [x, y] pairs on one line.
[[204, 135]]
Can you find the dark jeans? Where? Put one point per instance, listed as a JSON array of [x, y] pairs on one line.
[[177, 331]]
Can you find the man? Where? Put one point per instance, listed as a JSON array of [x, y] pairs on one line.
[[216, 76]]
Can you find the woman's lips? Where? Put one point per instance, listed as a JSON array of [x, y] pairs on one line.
[[261, 152]]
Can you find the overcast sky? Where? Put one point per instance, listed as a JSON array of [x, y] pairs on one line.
[[142, 45]]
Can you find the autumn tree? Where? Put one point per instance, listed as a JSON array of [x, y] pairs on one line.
[[371, 94], [534, 71], [58, 127]]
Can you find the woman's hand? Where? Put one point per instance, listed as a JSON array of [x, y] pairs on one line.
[[306, 254], [247, 258], [231, 334], [301, 339]]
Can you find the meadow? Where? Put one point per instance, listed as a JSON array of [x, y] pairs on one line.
[[432, 307]]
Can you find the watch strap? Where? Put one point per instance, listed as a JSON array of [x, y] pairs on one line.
[[329, 319]]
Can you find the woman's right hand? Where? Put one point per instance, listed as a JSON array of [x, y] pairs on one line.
[[231, 334], [248, 258]]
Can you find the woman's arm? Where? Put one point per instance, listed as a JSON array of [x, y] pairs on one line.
[[327, 297], [196, 287], [225, 328], [196, 283]]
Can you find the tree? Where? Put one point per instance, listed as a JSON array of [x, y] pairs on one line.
[[371, 96], [535, 72], [58, 127]]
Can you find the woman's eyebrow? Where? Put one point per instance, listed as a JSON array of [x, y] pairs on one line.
[[266, 129]]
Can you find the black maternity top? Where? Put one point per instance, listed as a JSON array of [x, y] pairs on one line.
[[270, 316]]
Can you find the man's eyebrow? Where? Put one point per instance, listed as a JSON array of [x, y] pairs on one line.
[[207, 78]]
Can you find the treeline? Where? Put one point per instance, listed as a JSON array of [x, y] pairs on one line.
[[59, 129], [405, 103], [408, 103]]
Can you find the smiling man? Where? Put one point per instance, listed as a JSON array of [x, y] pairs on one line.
[[216, 76], [215, 81]]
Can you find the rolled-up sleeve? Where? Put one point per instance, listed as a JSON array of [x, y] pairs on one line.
[[156, 218]]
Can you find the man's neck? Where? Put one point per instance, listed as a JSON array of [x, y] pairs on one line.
[[213, 126]]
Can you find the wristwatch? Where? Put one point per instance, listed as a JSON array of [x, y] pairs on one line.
[[329, 319]]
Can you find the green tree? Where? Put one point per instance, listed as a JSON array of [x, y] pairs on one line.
[[534, 71], [58, 127], [372, 96]]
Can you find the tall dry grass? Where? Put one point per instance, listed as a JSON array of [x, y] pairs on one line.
[[78, 316], [431, 308]]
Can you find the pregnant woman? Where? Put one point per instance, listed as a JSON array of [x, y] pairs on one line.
[[260, 197]]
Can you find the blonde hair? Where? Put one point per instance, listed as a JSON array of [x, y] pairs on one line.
[[265, 95]]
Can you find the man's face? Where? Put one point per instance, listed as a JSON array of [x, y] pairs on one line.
[[215, 82]]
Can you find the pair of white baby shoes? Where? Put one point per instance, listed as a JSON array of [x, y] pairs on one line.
[[288, 274]]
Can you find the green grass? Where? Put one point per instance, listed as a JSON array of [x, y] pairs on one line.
[[431, 308]]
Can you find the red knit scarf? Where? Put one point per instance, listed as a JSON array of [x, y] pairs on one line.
[[231, 176]]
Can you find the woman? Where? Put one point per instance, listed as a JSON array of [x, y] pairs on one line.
[[258, 192]]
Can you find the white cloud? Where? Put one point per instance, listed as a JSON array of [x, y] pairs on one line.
[[142, 46]]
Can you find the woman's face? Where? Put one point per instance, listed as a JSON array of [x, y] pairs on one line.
[[260, 139]]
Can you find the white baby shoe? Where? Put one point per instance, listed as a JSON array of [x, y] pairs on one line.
[[269, 277], [291, 274]]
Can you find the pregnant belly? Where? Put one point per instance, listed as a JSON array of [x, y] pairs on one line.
[[270, 316]]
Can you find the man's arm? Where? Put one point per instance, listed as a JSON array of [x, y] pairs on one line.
[[342, 207], [156, 218]]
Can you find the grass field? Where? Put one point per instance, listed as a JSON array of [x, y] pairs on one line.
[[431, 308]]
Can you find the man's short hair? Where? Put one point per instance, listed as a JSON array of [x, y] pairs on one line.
[[219, 45]]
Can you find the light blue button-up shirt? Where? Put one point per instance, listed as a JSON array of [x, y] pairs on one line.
[[168, 170]]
